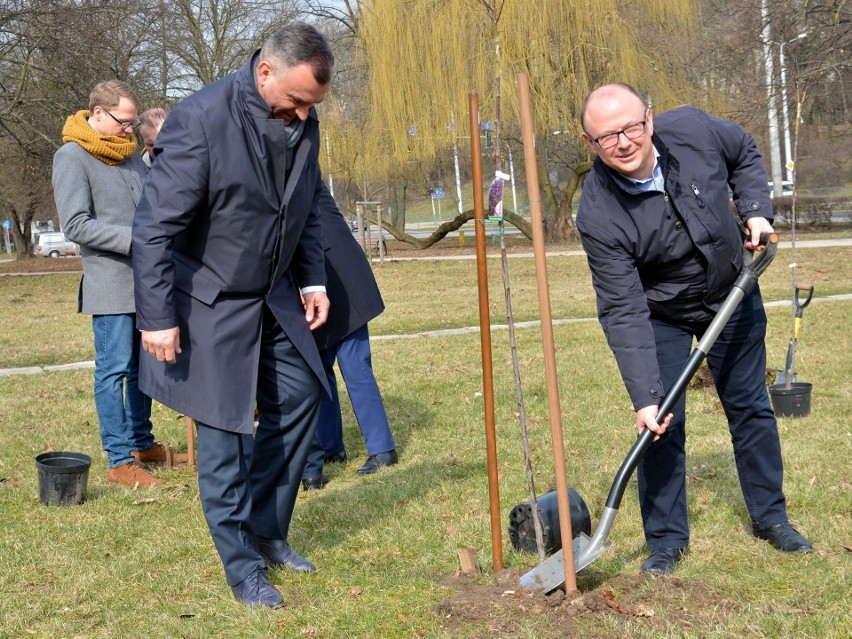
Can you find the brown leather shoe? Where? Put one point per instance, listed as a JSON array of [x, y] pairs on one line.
[[156, 454], [132, 474]]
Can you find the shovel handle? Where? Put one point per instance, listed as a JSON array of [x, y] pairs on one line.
[[800, 305], [760, 263], [742, 287]]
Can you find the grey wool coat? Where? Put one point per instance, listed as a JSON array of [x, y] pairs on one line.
[[96, 203]]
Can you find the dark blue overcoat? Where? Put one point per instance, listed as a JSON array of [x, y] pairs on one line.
[[352, 288], [218, 233]]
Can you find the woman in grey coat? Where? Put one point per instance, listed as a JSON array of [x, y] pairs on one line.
[[97, 181]]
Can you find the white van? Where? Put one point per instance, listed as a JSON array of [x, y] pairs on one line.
[[55, 245]]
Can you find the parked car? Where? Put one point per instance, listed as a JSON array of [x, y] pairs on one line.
[[55, 245]]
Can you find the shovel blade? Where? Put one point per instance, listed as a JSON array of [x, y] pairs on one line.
[[587, 551], [547, 576], [550, 574]]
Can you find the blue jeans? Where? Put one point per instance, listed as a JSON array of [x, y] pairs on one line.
[[738, 364], [124, 412]]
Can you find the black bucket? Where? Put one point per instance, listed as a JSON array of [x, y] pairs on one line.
[[791, 402], [522, 527], [62, 477]]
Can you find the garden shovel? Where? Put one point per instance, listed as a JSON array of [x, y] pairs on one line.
[[550, 574], [789, 369]]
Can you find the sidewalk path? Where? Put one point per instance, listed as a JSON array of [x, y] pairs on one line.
[[32, 370], [783, 245]]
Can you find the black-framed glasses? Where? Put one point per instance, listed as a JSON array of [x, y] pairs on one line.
[[134, 124], [631, 132]]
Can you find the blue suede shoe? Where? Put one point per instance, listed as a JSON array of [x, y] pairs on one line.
[[255, 590], [278, 554]]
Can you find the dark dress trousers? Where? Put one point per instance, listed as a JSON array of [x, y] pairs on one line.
[[225, 234]]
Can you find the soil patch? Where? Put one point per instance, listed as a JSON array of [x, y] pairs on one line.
[[615, 608]]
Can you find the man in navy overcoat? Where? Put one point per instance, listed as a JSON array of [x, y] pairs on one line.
[[225, 236], [355, 300]]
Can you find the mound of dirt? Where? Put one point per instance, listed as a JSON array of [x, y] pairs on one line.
[[650, 604]]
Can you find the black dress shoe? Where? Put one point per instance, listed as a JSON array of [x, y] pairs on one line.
[[339, 458], [785, 538], [663, 561], [255, 590], [314, 483], [278, 554], [374, 462]]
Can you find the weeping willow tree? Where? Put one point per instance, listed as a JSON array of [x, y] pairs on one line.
[[353, 160], [424, 58]]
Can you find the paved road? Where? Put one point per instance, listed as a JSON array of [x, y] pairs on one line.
[[784, 245]]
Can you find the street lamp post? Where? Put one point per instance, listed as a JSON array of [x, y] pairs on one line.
[[787, 152], [774, 147]]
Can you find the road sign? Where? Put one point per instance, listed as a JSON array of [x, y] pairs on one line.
[[7, 224], [438, 193]]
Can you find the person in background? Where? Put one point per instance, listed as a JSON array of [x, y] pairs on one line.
[[97, 181], [355, 300], [664, 251], [150, 123], [230, 282]]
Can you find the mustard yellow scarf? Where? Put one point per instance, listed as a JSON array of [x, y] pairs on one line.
[[109, 149]]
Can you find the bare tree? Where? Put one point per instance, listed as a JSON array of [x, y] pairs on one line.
[[196, 42], [53, 51]]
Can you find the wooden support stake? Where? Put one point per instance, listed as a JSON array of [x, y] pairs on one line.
[[547, 334], [485, 336], [468, 562], [190, 441]]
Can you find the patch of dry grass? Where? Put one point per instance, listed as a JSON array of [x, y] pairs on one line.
[[141, 563]]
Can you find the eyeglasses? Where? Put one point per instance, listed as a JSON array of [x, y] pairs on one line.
[[631, 132], [134, 124]]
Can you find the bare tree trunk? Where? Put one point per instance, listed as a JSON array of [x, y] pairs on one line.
[[564, 228]]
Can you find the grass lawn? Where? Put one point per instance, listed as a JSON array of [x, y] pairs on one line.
[[141, 563]]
